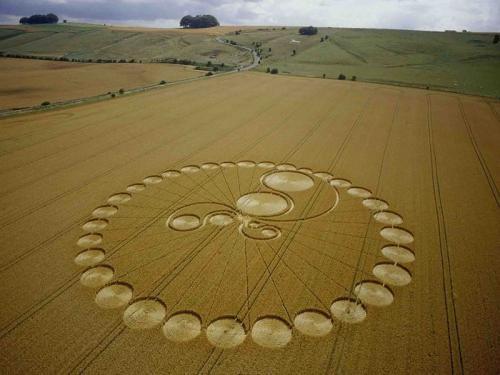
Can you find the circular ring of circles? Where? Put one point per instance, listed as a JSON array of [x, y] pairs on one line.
[[228, 331]]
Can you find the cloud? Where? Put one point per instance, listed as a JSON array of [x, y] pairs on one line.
[[479, 15]]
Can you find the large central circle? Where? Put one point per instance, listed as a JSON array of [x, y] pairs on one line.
[[262, 204]]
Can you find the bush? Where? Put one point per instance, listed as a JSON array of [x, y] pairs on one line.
[[310, 30], [46, 103], [268, 70], [324, 75], [162, 82], [113, 95], [353, 78], [216, 68], [209, 74], [341, 76], [496, 39], [294, 53], [274, 71], [209, 63], [121, 91]]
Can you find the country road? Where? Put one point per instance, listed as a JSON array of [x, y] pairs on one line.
[[255, 57]]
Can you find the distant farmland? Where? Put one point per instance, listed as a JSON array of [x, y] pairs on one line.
[[451, 61], [30, 82]]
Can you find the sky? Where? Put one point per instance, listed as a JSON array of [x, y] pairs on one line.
[[472, 15]]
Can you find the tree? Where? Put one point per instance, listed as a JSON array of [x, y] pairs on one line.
[[341, 76], [274, 71], [496, 39], [199, 22], [39, 19], [186, 21], [294, 53], [310, 30]]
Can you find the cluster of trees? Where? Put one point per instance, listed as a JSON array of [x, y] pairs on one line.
[[39, 18], [309, 30], [199, 22], [496, 39]]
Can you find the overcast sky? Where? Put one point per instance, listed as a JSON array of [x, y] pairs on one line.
[[474, 15]]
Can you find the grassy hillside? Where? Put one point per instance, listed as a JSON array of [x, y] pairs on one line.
[[464, 62], [99, 42], [461, 62]]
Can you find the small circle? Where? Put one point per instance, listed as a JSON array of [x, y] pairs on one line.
[[144, 314], [90, 257], [114, 296], [185, 222], [221, 220], [375, 204], [95, 225], [398, 254], [340, 183], [288, 181], [348, 311], [96, 277], [119, 198], [271, 332], [246, 164], [210, 166], [226, 333], [171, 174], [228, 164], [392, 274], [325, 176], [104, 212], [373, 293], [190, 169], [152, 180], [270, 233], [136, 188], [388, 218], [182, 327], [359, 192], [266, 164], [262, 204], [89, 240], [397, 235], [286, 167], [313, 323]]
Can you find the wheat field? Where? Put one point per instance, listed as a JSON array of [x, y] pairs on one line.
[[253, 224]]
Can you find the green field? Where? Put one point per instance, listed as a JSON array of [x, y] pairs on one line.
[[454, 61], [79, 41], [462, 62]]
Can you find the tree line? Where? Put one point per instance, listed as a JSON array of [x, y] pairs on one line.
[[39, 18]]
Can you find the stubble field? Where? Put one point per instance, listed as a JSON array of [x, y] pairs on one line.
[[238, 216]]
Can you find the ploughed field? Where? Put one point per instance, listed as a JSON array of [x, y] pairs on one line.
[[252, 223], [30, 82]]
